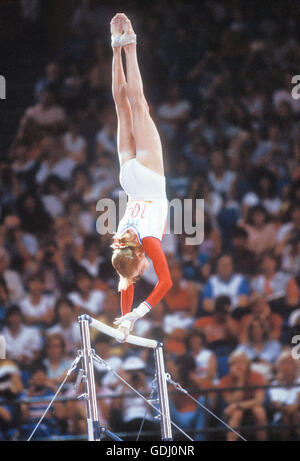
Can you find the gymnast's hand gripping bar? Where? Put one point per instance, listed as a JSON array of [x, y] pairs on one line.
[[118, 335]]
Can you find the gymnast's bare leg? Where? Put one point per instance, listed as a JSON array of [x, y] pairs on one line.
[[126, 142], [147, 140]]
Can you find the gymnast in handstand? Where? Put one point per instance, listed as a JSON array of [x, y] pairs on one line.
[[141, 230]]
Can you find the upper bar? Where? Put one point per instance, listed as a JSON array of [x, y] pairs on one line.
[[118, 335]]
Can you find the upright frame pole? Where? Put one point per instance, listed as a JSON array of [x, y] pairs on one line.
[[165, 419], [91, 399]]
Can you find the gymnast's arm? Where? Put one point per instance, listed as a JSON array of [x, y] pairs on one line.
[[153, 250]]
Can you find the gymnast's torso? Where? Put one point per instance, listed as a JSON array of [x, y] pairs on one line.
[[147, 206]]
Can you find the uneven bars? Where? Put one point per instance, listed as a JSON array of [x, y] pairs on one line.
[[117, 334]]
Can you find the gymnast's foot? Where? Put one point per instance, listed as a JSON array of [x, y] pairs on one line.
[[122, 31], [116, 25]]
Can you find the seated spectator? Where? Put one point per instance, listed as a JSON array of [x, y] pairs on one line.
[[75, 145], [55, 161], [219, 328], [66, 325], [81, 219], [274, 284], [264, 193], [32, 216], [260, 309], [10, 389], [261, 232], [92, 260], [243, 257], [291, 256], [173, 112], [184, 411], [12, 279], [23, 343], [241, 403], [205, 359], [37, 308], [275, 140], [56, 360], [260, 349], [4, 301], [285, 399], [86, 299], [102, 345], [129, 412], [226, 282], [32, 412], [106, 139], [289, 230], [220, 178], [47, 114], [52, 76], [182, 297], [179, 179]]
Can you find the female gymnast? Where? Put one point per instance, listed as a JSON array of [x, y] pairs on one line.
[[140, 231]]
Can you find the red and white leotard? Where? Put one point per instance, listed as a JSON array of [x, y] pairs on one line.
[[146, 214]]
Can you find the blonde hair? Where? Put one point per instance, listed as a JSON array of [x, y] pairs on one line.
[[124, 258]]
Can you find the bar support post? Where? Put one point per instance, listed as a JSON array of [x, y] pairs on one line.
[[90, 388], [162, 389]]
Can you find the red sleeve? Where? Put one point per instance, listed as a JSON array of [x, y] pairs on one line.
[[127, 299], [153, 250]]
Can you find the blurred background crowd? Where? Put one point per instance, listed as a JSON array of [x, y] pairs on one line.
[[218, 78]]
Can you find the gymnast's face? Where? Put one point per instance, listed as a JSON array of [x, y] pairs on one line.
[[143, 265]]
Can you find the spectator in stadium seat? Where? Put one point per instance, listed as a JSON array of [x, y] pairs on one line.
[[205, 359], [226, 282], [56, 360], [47, 114], [260, 349], [12, 278], [241, 403], [23, 343], [243, 258], [86, 299], [66, 325], [37, 308], [219, 328], [285, 399], [31, 412], [273, 283], [259, 308], [261, 232], [10, 389]]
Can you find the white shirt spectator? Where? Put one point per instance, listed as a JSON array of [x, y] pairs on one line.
[[222, 185], [202, 362], [173, 111], [284, 395], [74, 145], [53, 205], [39, 310], [94, 304], [25, 343], [46, 116], [106, 140], [15, 285], [70, 334], [63, 169]]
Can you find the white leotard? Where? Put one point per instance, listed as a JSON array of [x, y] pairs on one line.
[[147, 206]]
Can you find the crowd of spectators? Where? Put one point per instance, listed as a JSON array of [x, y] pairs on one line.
[[218, 80]]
